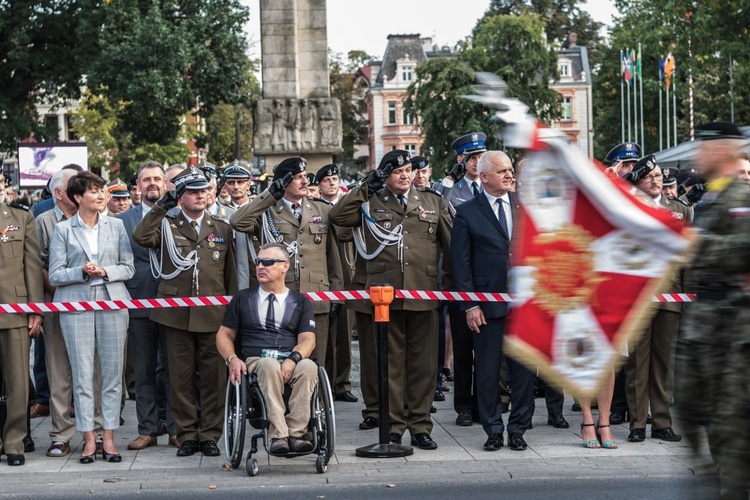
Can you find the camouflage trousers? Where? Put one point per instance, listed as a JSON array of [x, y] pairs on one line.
[[712, 387]]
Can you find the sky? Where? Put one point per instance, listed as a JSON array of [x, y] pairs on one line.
[[360, 25]]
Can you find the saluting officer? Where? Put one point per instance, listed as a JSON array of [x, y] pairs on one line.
[[400, 232], [283, 214], [21, 266], [196, 259], [713, 349], [462, 182]]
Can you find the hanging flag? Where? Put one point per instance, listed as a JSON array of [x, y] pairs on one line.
[[669, 68], [625, 68], [633, 59], [637, 65]]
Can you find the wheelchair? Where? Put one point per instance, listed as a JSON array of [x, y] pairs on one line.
[[245, 403]]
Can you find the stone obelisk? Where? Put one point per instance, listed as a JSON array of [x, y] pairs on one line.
[[296, 116]]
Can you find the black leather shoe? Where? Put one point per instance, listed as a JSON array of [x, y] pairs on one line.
[[424, 441], [448, 374], [516, 442], [346, 396], [444, 388], [665, 434], [557, 421], [394, 438], [618, 417], [464, 419], [439, 396], [637, 435], [15, 460], [209, 448], [494, 442], [188, 448], [368, 423], [433, 409], [28, 444], [577, 407]]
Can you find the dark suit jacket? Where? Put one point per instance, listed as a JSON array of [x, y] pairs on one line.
[[480, 253], [142, 285]]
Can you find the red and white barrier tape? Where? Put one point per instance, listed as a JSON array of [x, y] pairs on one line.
[[222, 300]]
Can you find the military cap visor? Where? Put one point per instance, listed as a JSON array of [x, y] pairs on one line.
[[236, 172], [470, 144], [118, 189], [327, 171], [718, 130]]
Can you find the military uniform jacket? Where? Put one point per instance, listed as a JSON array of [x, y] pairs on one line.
[[722, 259], [679, 211], [242, 248], [318, 255], [216, 266], [20, 263], [426, 231], [459, 193]]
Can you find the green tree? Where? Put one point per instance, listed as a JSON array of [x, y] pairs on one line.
[[96, 120], [353, 106], [436, 97]]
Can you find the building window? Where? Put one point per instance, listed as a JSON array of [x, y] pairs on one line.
[[407, 118], [51, 124], [411, 148], [391, 112], [71, 135], [564, 70], [566, 103], [407, 73]]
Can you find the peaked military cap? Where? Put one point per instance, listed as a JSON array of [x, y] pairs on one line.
[[189, 179], [670, 176], [293, 165], [627, 151], [327, 171], [419, 162], [718, 130], [208, 169], [118, 189], [236, 171], [470, 144], [396, 158]]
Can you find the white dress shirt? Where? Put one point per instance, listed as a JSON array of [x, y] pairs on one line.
[[278, 306]]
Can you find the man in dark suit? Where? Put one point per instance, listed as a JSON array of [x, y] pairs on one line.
[[148, 349], [480, 255]]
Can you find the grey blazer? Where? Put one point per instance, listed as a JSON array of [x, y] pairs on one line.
[[142, 285], [69, 251]]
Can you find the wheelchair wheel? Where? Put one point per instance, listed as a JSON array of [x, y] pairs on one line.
[[252, 467], [235, 417], [328, 417], [321, 464]]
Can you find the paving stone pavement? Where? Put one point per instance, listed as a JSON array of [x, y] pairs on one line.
[[552, 453]]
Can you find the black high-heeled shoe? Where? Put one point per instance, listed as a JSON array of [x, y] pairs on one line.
[[87, 459], [111, 457]]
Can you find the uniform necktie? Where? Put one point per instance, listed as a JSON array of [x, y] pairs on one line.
[[401, 200], [474, 188], [271, 314], [501, 217], [194, 225], [297, 211]]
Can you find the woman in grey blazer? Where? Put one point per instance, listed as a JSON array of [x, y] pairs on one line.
[[90, 259]]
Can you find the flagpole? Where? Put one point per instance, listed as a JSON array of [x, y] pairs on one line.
[[635, 98], [674, 108], [630, 125], [690, 90], [640, 70], [622, 100], [669, 117], [661, 133]]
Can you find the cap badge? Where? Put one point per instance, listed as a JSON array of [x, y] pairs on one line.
[[400, 159], [474, 137]]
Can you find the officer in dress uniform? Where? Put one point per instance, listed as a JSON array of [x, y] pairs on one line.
[[195, 258], [236, 179], [713, 349], [650, 366], [119, 197], [21, 267], [283, 214], [462, 182], [400, 232]]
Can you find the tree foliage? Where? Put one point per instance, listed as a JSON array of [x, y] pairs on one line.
[[353, 105]]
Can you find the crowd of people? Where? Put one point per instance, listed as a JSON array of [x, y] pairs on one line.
[[180, 232]]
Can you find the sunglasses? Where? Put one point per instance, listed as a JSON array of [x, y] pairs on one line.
[[268, 262]]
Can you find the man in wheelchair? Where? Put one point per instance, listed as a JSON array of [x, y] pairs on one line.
[[276, 348]]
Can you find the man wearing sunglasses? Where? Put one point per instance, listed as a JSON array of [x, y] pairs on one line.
[[276, 327], [283, 214]]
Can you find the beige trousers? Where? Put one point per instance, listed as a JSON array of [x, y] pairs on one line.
[[271, 384]]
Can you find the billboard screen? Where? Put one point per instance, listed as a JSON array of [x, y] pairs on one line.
[[37, 161]]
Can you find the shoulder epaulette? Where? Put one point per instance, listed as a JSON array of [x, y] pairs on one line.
[[428, 190]]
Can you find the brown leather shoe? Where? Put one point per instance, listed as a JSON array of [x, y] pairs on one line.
[[38, 410], [58, 449], [173, 441], [142, 442]]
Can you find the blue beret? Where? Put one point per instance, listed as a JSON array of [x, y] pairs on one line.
[[627, 151], [470, 143]]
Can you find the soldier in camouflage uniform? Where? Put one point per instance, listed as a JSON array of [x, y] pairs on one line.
[[713, 353]]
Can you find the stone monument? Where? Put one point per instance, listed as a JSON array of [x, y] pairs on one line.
[[296, 115]]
